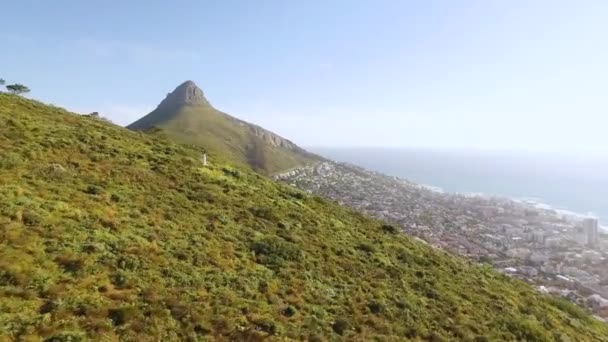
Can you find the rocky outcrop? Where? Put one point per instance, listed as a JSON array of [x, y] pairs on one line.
[[267, 136], [271, 138], [186, 94]]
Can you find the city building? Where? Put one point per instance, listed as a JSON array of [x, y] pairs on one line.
[[590, 226], [580, 235]]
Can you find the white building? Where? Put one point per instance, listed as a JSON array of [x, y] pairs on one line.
[[591, 228]]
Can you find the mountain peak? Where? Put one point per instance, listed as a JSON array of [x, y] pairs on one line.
[[186, 116], [186, 94]]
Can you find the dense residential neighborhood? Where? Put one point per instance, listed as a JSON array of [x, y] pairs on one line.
[[560, 253]]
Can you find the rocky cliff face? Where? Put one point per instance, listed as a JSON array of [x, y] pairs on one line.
[[186, 94], [271, 138], [267, 136]]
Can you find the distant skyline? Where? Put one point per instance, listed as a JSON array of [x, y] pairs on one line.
[[434, 74]]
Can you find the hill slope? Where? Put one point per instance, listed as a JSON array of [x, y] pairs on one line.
[[108, 233], [186, 116]]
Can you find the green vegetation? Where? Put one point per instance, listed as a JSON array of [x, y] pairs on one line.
[[17, 89], [219, 133], [194, 121], [109, 234]]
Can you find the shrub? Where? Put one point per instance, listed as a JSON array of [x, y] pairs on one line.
[[435, 337], [289, 311], [432, 294], [120, 316], [340, 326], [375, 307], [231, 172], [202, 196], [47, 307], [10, 161], [528, 330], [387, 228], [66, 337], [298, 195], [567, 307], [70, 264], [266, 325], [54, 171], [273, 251], [315, 338], [31, 218], [366, 247], [93, 190], [120, 279], [264, 213]]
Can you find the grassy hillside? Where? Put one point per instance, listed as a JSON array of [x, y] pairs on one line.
[[220, 133], [108, 234]]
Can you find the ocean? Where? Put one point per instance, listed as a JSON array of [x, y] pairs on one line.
[[576, 182]]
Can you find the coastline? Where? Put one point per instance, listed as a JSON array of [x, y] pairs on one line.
[[537, 203], [456, 172]]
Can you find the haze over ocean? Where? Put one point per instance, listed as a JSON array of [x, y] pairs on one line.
[[571, 181]]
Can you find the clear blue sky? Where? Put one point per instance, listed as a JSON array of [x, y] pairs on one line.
[[486, 74]]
